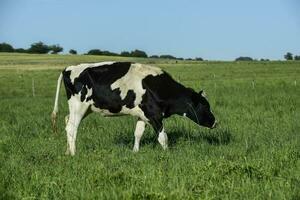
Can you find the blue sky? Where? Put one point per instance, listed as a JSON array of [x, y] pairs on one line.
[[212, 29]]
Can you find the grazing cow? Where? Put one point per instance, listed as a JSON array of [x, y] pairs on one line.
[[118, 88]]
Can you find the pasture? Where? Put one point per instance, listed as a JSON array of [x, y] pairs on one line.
[[253, 154]]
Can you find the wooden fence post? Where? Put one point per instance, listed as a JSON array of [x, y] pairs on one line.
[[33, 88]]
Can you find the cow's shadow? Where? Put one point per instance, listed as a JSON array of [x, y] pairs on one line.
[[215, 137]]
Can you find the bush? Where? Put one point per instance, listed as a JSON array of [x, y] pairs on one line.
[[244, 58], [262, 59], [154, 56], [99, 52], [167, 57], [108, 53], [288, 56], [72, 51], [297, 58], [55, 49], [199, 59], [39, 48], [20, 50], [125, 54], [4, 47], [94, 52], [138, 53]]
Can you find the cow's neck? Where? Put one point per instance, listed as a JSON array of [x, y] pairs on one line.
[[178, 106]]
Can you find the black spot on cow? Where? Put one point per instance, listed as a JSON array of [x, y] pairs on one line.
[[83, 93], [70, 90], [129, 99]]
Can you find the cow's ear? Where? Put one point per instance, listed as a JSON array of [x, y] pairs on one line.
[[202, 93]]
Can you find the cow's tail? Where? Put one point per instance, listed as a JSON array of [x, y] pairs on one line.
[[55, 109]]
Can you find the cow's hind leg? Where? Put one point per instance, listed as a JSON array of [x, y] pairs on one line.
[[77, 111], [138, 133]]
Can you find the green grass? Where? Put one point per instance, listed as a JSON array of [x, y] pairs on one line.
[[254, 154]]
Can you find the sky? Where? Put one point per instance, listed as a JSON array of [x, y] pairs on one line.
[[211, 29]]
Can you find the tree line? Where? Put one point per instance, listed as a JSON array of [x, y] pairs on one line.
[[38, 47], [287, 56], [41, 48]]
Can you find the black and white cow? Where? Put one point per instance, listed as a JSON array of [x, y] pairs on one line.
[[118, 88]]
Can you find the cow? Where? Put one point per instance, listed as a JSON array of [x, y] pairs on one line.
[[124, 88]]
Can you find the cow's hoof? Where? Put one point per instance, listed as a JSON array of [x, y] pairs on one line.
[[135, 150], [165, 147], [67, 152]]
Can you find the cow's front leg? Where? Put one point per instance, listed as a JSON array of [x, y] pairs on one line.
[[138, 133], [158, 127]]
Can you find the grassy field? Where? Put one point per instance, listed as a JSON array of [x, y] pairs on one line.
[[254, 154]]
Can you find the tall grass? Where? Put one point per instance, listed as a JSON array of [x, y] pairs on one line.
[[254, 154]]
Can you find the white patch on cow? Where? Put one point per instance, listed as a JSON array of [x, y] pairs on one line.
[[132, 80], [138, 133], [76, 70], [88, 94], [135, 111], [163, 139]]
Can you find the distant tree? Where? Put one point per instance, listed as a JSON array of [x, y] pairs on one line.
[[4, 47], [154, 56], [244, 58], [55, 49], [21, 50], [179, 58], [99, 52], [72, 51], [108, 53], [262, 59], [94, 52], [167, 57], [288, 56], [189, 59], [138, 53], [199, 59], [39, 48], [125, 54], [297, 58]]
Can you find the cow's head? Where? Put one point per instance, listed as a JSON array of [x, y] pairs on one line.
[[198, 110]]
